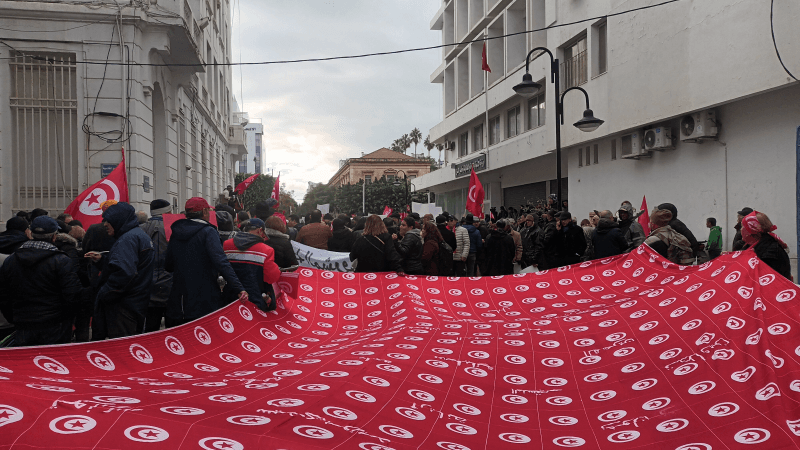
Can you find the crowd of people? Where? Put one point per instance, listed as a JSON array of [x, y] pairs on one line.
[[60, 283]]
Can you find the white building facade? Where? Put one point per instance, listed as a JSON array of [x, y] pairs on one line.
[[253, 163], [643, 70], [80, 81]]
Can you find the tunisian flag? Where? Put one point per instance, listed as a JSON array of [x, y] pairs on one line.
[[475, 195], [86, 207], [241, 187], [629, 352], [644, 219], [485, 60], [387, 211], [276, 191]]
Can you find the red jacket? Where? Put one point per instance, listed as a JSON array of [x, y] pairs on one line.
[[255, 268]]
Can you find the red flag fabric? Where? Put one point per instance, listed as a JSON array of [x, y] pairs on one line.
[[644, 219], [475, 195], [627, 352], [276, 191], [485, 59], [241, 187], [86, 207], [387, 211]]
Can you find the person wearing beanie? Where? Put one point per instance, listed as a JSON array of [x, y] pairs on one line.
[[16, 234], [126, 281], [37, 213], [263, 209], [254, 263], [225, 226], [39, 288], [342, 239], [666, 241], [162, 280], [196, 259], [680, 227]]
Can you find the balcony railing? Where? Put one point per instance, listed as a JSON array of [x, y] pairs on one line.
[[574, 71]]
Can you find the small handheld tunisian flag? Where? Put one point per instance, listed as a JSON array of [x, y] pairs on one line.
[[86, 207], [644, 219], [241, 187], [387, 211], [485, 60], [475, 195], [276, 191]]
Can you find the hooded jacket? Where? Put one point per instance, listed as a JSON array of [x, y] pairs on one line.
[[715, 238], [341, 241], [410, 249], [162, 280], [475, 238], [571, 244], [10, 240], [547, 244], [38, 286], [196, 259], [531, 251], [500, 253], [680, 227], [607, 239], [128, 276], [254, 264], [447, 235], [282, 246], [631, 230]]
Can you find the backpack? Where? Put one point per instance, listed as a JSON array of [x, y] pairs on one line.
[[445, 262]]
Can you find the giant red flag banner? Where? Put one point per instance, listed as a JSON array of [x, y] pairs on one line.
[[86, 207], [628, 352], [475, 195], [276, 191], [241, 187], [644, 218]]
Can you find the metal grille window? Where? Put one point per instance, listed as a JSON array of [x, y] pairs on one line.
[[44, 115], [588, 156], [573, 69], [580, 157], [613, 149], [602, 57]]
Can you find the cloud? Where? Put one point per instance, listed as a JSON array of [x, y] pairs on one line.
[[317, 113]]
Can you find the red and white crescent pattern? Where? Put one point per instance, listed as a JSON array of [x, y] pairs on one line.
[[626, 352]]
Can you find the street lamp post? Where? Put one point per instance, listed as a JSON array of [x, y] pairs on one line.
[[528, 88], [407, 183]]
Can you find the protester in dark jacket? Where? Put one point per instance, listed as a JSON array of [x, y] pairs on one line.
[[500, 251], [570, 240], [607, 239], [738, 242], [758, 234], [391, 226], [254, 264], [39, 288], [680, 227], [16, 234], [121, 304], [431, 237], [375, 250], [315, 234], [475, 244], [196, 259], [162, 280], [448, 235], [547, 241], [410, 247], [225, 226], [630, 229], [531, 252], [280, 243], [342, 239]]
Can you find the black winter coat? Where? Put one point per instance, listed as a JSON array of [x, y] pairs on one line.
[[284, 252], [531, 250], [128, 277], [376, 254], [548, 246], [608, 239], [680, 227], [448, 236], [571, 244], [500, 253], [10, 240], [341, 241], [39, 286], [410, 249], [196, 259], [769, 250], [162, 280]]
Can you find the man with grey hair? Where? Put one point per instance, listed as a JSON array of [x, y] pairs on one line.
[[39, 288], [141, 216]]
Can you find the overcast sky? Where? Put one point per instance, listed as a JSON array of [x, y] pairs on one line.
[[315, 114]]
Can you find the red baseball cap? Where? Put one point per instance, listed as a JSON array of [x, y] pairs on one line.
[[196, 204]]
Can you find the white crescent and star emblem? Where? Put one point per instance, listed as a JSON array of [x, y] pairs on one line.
[[72, 424], [91, 204], [146, 433]]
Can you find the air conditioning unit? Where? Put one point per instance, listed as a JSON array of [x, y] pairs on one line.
[[632, 146], [451, 145], [658, 138], [698, 126]]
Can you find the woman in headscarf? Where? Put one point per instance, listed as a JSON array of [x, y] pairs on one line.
[[757, 232]]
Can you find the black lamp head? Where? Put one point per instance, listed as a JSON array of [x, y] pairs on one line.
[[589, 122], [528, 88]]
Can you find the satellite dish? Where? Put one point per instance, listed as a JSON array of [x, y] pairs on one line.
[[687, 125]]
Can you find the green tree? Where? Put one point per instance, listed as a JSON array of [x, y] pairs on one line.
[[261, 189], [317, 194], [415, 137], [428, 144]]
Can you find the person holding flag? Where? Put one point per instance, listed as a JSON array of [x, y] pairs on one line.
[[276, 191]]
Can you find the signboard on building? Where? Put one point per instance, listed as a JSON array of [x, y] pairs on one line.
[[463, 169], [146, 183], [106, 169]]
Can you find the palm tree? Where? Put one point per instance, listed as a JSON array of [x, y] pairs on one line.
[[429, 145], [440, 147], [405, 141], [415, 136]]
